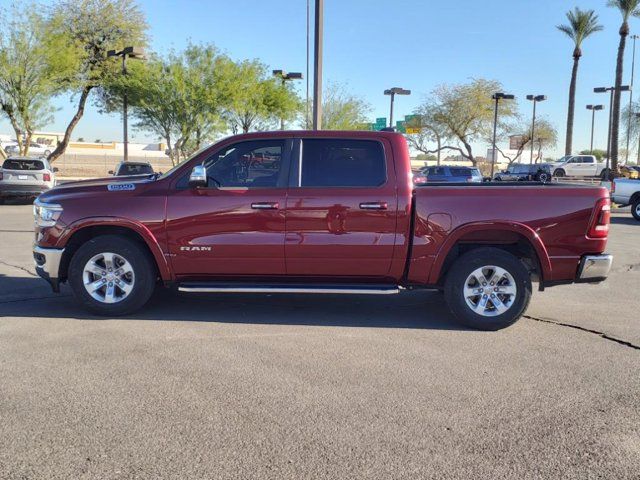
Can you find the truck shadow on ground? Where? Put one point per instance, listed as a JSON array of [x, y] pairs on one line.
[[624, 220], [29, 297]]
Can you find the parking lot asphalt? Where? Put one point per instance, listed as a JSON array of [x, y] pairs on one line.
[[298, 386]]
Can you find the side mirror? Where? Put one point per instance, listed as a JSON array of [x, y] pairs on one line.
[[56, 169], [111, 172], [198, 177]]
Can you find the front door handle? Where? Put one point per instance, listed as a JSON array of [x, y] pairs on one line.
[[373, 206], [265, 205]]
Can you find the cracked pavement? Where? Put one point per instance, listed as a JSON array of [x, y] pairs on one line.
[[294, 386]]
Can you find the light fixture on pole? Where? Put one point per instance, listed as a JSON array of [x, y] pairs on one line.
[[392, 92], [497, 97], [623, 88], [535, 99], [285, 77], [593, 109], [130, 52], [633, 67]]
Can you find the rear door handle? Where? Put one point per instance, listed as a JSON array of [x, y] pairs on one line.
[[265, 205], [373, 206]]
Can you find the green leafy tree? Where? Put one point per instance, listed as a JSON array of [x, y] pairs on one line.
[[92, 28], [343, 110], [256, 100], [180, 98], [429, 138], [627, 8], [546, 136], [599, 154], [33, 63], [581, 24], [463, 113]]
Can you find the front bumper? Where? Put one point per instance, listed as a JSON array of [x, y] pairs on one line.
[[47, 262], [594, 268]]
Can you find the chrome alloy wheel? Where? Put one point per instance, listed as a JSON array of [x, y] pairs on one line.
[[490, 291], [108, 277], [638, 209]]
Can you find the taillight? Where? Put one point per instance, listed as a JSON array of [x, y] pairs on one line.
[[599, 225], [46, 177], [419, 179]]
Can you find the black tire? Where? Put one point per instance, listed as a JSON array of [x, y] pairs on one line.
[[497, 179], [559, 173], [143, 268], [604, 174], [635, 209], [461, 271], [542, 177]]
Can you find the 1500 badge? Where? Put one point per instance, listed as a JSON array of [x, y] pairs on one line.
[[117, 187]]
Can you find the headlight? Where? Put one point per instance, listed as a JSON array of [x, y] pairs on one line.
[[46, 214]]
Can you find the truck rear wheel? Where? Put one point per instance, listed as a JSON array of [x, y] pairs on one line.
[[112, 275], [488, 289], [559, 173]]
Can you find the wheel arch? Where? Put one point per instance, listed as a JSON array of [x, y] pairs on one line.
[[80, 232], [516, 238]]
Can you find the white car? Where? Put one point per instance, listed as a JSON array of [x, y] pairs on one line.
[[625, 191], [579, 166], [25, 177], [34, 149]]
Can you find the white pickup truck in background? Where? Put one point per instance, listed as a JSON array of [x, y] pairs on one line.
[[625, 191], [578, 166]]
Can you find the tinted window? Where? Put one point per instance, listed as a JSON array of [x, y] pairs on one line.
[[134, 169], [342, 163], [460, 172], [23, 165], [587, 160], [246, 164], [434, 171]]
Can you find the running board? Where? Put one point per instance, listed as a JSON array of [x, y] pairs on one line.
[[360, 289]]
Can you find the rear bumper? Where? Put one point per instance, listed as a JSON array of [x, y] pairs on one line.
[[10, 190], [594, 268], [47, 262]]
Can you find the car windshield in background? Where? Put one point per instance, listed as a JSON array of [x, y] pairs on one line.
[[23, 165], [135, 170]]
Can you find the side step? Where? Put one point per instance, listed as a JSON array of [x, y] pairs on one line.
[[357, 289]]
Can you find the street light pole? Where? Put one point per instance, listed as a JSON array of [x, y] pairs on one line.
[[623, 88], [307, 118], [497, 97], [132, 52], [637, 115], [317, 64], [284, 77], [392, 92], [535, 99], [633, 67], [593, 109]]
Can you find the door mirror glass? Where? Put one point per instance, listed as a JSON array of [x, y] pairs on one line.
[[198, 177]]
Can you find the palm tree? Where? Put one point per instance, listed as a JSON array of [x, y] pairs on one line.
[[582, 23], [628, 8]]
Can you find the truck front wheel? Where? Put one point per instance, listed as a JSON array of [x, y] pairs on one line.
[[559, 173], [112, 275], [488, 289], [635, 209]]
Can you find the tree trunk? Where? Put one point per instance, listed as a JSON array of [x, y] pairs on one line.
[[572, 104], [470, 156], [615, 121], [439, 147], [62, 146], [27, 142]]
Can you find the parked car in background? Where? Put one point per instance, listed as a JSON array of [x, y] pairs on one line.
[[521, 172], [333, 212], [579, 166], [25, 177], [448, 174], [35, 149], [132, 168], [625, 191], [630, 171]]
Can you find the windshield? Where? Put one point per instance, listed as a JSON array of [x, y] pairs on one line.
[[178, 165], [135, 169], [23, 165]]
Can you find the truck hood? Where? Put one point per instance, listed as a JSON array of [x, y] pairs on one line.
[[98, 185]]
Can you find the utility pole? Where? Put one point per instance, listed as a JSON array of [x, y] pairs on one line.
[[633, 67], [497, 97], [284, 77], [392, 92], [317, 65]]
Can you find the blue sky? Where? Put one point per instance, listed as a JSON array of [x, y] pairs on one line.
[[371, 45]]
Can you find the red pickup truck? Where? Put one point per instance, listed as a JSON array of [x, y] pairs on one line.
[[330, 212]]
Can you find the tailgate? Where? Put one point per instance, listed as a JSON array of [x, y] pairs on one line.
[[22, 176]]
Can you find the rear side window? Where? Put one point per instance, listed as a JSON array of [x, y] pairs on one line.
[[587, 160], [342, 163], [23, 165], [460, 172]]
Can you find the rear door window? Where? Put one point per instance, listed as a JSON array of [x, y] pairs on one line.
[[460, 172], [23, 165], [342, 163]]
